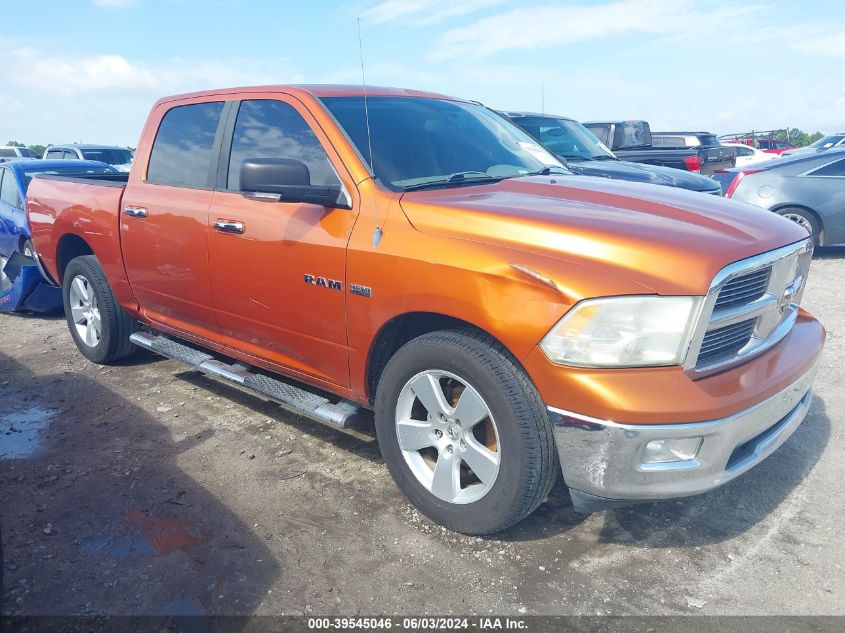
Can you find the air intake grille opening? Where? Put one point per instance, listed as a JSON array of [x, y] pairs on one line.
[[725, 342], [743, 289]]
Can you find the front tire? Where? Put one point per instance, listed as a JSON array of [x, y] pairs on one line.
[[805, 219], [464, 432], [99, 326]]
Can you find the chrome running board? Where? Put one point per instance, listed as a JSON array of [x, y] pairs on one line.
[[340, 414]]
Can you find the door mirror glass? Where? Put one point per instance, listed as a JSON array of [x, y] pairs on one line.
[[287, 180]]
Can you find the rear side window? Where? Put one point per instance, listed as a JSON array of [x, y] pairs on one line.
[[54, 154], [182, 151], [668, 141], [274, 129], [9, 189], [70, 155], [833, 169]]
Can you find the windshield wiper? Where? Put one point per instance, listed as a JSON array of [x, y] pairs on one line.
[[546, 171], [456, 180], [603, 157], [575, 157]]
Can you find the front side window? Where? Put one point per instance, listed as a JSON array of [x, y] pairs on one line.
[[70, 155], [273, 129], [54, 154], [7, 153], [420, 142], [9, 189], [182, 150]]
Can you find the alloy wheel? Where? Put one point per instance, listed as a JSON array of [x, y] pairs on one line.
[[800, 220], [85, 311], [448, 436]]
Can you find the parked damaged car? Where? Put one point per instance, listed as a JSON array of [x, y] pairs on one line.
[[23, 287]]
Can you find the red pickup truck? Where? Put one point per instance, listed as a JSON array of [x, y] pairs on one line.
[[421, 256]]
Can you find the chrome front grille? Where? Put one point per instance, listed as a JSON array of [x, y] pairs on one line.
[[751, 305], [726, 341], [743, 289]]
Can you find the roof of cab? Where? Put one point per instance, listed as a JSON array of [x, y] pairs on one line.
[[314, 90]]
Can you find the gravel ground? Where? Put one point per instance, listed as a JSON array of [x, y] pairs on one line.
[[149, 489]]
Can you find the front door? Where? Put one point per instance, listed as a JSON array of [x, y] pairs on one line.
[[164, 219], [278, 270]]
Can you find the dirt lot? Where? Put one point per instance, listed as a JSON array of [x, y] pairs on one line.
[[149, 489]]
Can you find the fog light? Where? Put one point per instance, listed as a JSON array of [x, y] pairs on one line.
[[675, 450]]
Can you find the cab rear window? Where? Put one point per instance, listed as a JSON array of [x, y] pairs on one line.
[[183, 148]]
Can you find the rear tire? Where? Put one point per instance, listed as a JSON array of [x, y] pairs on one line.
[[803, 218], [496, 447], [99, 326]]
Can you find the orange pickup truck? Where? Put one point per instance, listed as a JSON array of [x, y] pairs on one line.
[[337, 250]]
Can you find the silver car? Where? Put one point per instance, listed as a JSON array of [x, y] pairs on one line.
[[808, 189], [118, 157], [826, 142]]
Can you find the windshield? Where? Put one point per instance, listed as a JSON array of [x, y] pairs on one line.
[[109, 155], [564, 137], [828, 141], [419, 142], [25, 151], [71, 169]]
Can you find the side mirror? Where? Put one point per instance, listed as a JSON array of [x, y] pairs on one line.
[[287, 180]]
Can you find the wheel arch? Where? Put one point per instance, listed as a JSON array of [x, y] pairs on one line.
[[803, 207], [69, 247], [404, 327]]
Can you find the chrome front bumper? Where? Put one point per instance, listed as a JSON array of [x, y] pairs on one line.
[[603, 465]]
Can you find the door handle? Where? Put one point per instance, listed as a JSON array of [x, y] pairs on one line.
[[229, 226], [136, 212]]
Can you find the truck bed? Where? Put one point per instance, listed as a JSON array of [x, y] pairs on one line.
[[84, 206], [712, 158]]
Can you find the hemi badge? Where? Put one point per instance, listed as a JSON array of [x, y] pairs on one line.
[[361, 291]]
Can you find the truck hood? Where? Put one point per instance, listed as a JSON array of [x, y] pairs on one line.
[[669, 240], [640, 172]]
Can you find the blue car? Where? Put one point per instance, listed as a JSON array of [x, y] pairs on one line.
[[22, 286]]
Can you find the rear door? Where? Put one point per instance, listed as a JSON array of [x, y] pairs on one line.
[[278, 269], [164, 216]]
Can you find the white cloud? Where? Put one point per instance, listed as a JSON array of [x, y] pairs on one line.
[[424, 12], [119, 4], [557, 25], [105, 98], [832, 45]]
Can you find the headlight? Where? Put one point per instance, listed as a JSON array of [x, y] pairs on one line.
[[623, 332]]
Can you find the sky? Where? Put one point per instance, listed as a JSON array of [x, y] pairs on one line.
[[89, 70]]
